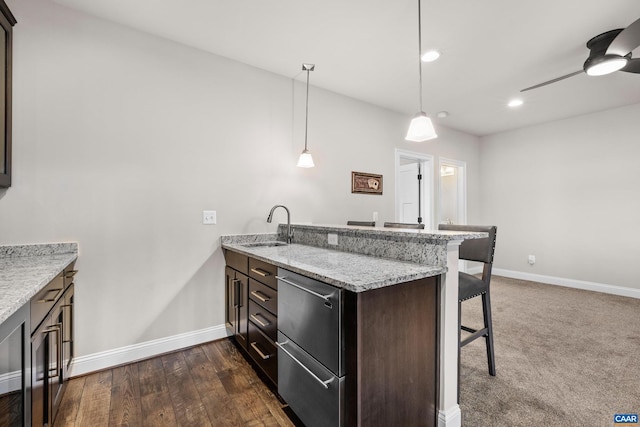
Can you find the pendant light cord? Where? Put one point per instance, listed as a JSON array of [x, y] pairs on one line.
[[420, 51], [306, 114]]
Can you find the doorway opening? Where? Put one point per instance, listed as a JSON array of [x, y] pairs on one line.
[[414, 188], [452, 206]]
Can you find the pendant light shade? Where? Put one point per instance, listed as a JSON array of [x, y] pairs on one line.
[[420, 129], [305, 160]]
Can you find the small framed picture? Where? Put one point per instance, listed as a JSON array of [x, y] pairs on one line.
[[367, 183]]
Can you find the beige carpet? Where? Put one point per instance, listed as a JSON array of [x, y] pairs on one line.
[[564, 357]]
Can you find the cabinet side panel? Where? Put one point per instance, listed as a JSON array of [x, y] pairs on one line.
[[397, 354]]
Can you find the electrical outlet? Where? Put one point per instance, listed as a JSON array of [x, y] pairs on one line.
[[209, 217], [332, 239], [532, 259], [375, 216]]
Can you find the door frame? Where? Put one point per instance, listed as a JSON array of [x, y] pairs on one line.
[[427, 191]]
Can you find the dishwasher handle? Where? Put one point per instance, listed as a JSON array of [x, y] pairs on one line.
[[324, 384], [302, 288]]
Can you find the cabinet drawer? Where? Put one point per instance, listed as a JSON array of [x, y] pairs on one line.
[[237, 261], [263, 319], [263, 272], [264, 352], [264, 295], [44, 300]]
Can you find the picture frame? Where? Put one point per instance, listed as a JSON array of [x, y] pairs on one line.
[[366, 183]]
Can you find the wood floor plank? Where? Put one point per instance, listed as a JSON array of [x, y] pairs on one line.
[[244, 398], [125, 397], [70, 404], [96, 400], [151, 377], [187, 404], [157, 410]]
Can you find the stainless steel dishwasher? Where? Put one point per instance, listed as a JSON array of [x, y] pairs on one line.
[[311, 364]]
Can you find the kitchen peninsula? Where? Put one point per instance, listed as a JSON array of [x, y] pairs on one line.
[[396, 292]]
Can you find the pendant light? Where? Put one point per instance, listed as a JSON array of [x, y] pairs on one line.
[[305, 160], [421, 129]]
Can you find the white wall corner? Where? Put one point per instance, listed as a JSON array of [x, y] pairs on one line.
[[107, 359]]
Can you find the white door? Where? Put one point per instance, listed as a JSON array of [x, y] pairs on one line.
[[409, 193], [414, 198]]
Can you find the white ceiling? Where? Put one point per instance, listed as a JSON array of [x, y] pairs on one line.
[[367, 49]]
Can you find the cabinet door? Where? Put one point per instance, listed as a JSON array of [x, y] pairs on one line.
[[15, 407], [231, 296], [67, 331], [243, 309], [237, 301]]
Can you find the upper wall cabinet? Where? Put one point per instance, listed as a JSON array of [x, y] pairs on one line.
[[7, 21]]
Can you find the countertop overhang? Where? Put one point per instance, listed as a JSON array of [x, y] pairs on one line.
[[26, 269]]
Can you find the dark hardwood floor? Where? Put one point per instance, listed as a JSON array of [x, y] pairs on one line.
[[207, 385]]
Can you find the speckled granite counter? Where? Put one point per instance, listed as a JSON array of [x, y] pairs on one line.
[[364, 258], [25, 269]]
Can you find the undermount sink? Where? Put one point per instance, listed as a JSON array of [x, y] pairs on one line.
[[264, 244]]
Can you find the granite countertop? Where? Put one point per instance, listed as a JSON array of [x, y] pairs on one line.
[[361, 259], [351, 271], [26, 269]]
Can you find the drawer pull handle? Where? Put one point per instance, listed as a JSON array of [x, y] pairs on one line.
[[261, 272], [324, 297], [254, 345], [45, 299], [260, 296], [70, 274], [324, 384], [264, 323]]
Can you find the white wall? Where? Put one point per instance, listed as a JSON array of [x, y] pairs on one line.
[[121, 139], [567, 192]]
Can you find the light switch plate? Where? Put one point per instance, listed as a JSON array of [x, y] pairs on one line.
[[332, 239], [209, 217]]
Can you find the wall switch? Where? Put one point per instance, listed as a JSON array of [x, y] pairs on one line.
[[332, 239], [375, 216], [532, 259], [209, 217]]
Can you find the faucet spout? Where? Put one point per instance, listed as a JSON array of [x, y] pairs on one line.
[[289, 232]]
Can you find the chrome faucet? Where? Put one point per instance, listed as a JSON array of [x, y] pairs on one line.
[[289, 232]]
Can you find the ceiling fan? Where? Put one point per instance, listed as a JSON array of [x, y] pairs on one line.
[[609, 52]]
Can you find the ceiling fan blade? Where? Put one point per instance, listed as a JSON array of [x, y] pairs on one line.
[[553, 81], [626, 41], [632, 66]]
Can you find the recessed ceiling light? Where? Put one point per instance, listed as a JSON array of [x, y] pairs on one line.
[[515, 103], [442, 114], [430, 56]]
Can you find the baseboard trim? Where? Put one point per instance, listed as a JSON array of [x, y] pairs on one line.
[[11, 381], [452, 417], [570, 283], [106, 359]]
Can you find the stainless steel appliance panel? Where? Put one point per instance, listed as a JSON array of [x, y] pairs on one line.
[[313, 392], [309, 313]]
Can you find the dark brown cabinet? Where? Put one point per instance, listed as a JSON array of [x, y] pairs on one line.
[[7, 21], [237, 288], [15, 362], [251, 309], [51, 346]]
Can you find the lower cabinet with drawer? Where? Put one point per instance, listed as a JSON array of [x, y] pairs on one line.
[[358, 359], [252, 310], [51, 346]]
